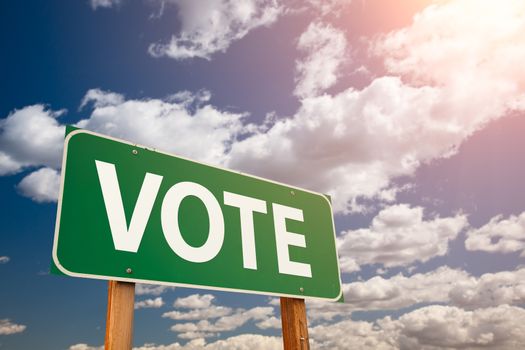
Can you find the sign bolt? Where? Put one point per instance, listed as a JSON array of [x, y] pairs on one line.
[[292, 192], [135, 151], [129, 270], [301, 289]]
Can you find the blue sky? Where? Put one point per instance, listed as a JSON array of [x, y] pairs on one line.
[[409, 114]]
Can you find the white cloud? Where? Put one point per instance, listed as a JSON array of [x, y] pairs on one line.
[[202, 310], [329, 7], [150, 289], [394, 293], [101, 98], [182, 123], [471, 49], [222, 324], [30, 136], [247, 342], [352, 144], [272, 322], [499, 235], [490, 289], [195, 301], [326, 50], [357, 334], [231, 322], [481, 39], [429, 328], [4, 259], [83, 346], [239, 342], [197, 131], [149, 303], [398, 236], [321, 311], [188, 98], [274, 301], [212, 26], [192, 345], [501, 327], [193, 328], [196, 335], [444, 285], [42, 185], [7, 164], [399, 291], [104, 3], [8, 328], [211, 311]]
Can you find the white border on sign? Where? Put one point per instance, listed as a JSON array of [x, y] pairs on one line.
[[136, 280]]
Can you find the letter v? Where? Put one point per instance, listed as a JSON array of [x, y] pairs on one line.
[[123, 238]]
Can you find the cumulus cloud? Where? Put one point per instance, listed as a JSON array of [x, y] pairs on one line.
[[429, 328], [444, 285], [329, 7], [95, 4], [202, 309], [491, 289], [352, 144], [7, 327], [4, 259], [212, 311], [479, 38], [450, 327], [151, 289], [499, 235], [197, 131], [272, 322], [205, 328], [31, 136], [212, 26], [398, 236], [326, 50], [322, 311], [247, 341], [41, 186], [239, 342], [149, 303], [83, 346], [393, 293], [479, 46], [361, 335], [195, 301], [399, 291], [101, 98]]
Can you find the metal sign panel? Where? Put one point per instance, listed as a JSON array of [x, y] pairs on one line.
[[130, 213]]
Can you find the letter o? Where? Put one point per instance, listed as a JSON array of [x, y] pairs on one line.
[[170, 222]]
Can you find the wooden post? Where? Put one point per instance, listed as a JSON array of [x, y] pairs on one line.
[[119, 320], [295, 328]]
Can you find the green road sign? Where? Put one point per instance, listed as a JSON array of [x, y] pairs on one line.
[[130, 213]]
